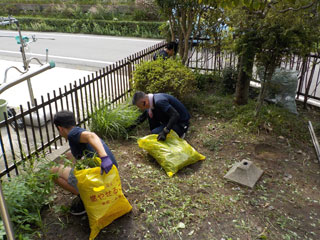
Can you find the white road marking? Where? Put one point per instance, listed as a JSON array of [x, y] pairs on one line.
[[60, 57], [86, 36]]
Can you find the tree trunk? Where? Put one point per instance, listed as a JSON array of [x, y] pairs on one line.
[[181, 44], [244, 77], [187, 34], [265, 84], [172, 27]]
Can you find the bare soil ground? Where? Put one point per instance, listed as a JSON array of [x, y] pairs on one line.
[[197, 202]]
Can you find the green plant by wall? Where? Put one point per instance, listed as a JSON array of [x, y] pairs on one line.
[[26, 194], [168, 76], [104, 10], [112, 123], [208, 80], [114, 28], [229, 80], [86, 2]]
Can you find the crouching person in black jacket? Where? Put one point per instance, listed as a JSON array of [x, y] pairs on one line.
[[164, 113]]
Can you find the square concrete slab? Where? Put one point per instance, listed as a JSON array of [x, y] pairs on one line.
[[244, 173]]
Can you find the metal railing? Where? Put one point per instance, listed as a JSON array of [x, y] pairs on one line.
[[112, 83], [37, 132], [309, 76], [308, 68]]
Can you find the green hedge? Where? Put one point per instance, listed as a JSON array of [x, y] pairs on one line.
[[65, 1], [103, 27]]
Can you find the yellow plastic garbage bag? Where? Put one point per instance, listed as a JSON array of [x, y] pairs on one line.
[[102, 197], [172, 154]]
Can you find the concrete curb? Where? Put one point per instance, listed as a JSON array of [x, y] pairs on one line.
[[56, 153]]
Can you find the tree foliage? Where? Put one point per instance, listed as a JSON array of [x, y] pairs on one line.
[[260, 32], [184, 17], [268, 31], [169, 76]]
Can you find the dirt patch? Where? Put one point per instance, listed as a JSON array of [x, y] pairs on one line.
[[268, 152], [198, 203]]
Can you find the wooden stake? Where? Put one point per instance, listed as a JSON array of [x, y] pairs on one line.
[[314, 140]]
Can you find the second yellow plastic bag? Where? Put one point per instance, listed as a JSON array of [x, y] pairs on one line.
[[172, 154], [102, 197]]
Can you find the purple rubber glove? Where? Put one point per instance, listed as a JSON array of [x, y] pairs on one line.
[[106, 164]]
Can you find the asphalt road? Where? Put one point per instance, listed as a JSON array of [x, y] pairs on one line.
[[77, 51], [75, 56]]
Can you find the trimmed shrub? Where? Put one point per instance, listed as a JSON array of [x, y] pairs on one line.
[[168, 76]]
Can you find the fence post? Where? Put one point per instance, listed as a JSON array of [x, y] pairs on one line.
[[130, 72]]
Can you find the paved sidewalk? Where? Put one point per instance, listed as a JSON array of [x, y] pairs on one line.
[[42, 84]]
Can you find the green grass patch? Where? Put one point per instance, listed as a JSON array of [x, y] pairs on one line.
[[272, 118], [112, 123]]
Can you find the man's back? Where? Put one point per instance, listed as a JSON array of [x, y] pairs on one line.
[[162, 53]]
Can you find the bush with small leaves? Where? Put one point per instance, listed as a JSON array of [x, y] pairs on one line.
[[167, 76], [26, 194]]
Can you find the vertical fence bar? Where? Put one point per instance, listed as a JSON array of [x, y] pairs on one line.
[[298, 63], [86, 97], [11, 143], [66, 97], [16, 128], [121, 81], [39, 124], [25, 130], [76, 102], [94, 90], [112, 86], [52, 124], [72, 99], [61, 100], [45, 121], [109, 85], [125, 76], [130, 72], [90, 94], [101, 90], [56, 106], [82, 104], [105, 85], [4, 156], [317, 81], [116, 82]]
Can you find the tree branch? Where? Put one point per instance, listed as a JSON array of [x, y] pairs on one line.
[[296, 9]]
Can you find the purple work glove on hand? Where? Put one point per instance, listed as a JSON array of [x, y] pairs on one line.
[[106, 164]]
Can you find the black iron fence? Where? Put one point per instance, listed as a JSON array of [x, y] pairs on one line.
[[307, 68], [208, 59], [31, 131], [309, 76]]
